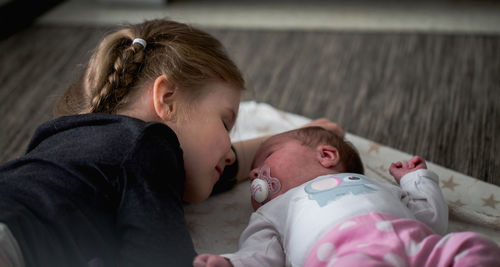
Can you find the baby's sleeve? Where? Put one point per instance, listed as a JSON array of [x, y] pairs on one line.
[[260, 245], [425, 199]]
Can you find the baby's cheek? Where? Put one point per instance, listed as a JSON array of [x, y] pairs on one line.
[[255, 204]]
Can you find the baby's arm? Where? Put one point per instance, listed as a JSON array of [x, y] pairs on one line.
[[211, 260], [422, 194]]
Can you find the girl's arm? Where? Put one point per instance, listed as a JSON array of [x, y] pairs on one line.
[[245, 150]]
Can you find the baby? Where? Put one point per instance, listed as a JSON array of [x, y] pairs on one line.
[[315, 208]]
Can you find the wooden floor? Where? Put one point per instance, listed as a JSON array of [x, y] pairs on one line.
[[435, 95]]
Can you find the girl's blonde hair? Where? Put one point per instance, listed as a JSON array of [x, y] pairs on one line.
[[188, 56]]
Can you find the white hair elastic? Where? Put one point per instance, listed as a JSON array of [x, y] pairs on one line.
[[140, 41]]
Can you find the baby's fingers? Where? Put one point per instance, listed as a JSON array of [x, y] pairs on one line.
[[411, 164], [418, 163], [397, 164], [406, 165]]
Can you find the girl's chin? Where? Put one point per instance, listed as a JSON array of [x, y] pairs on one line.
[[191, 197]]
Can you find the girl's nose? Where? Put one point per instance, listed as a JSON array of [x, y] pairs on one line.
[[230, 157]]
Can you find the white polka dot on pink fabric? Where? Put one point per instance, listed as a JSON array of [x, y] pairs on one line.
[[347, 225], [461, 255], [332, 262], [394, 260], [364, 245], [385, 226], [444, 240], [412, 248], [324, 251]]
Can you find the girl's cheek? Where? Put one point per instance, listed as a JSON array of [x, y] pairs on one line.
[[228, 142]]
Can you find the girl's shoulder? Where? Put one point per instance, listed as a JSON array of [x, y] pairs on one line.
[[107, 135]]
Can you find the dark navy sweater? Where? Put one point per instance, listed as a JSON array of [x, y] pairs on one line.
[[99, 190]]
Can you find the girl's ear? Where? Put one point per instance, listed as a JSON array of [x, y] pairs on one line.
[[328, 156], [164, 96]]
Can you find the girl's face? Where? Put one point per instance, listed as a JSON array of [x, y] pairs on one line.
[[203, 134]]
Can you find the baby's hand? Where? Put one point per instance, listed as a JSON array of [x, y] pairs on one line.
[[398, 169], [211, 260]]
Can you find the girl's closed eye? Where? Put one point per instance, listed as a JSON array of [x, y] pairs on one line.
[[228, 118], [226, 126], [228, 122]]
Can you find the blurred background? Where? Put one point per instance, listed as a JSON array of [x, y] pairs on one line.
[[419, 76], [439, 15]]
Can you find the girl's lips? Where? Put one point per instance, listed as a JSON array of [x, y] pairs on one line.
[[219, 170]]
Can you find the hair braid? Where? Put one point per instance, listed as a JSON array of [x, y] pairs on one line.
[[121, 78]]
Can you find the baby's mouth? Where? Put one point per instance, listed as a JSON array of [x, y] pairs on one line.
[[264, 186]]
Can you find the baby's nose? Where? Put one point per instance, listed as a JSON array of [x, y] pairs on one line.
[[253, 174]]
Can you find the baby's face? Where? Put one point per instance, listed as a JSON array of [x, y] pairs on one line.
[[290, 162]]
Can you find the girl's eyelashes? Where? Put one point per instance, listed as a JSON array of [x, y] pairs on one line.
[[226, 126]]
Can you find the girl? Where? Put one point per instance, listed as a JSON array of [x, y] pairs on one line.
[[144, 129]]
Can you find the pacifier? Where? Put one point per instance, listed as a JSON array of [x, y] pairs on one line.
[[264, 186]]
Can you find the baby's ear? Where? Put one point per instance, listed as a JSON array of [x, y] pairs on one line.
[[328, 156], [165, 94]]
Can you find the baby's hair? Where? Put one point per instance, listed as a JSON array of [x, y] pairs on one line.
[[314, 136], [118, 67]]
